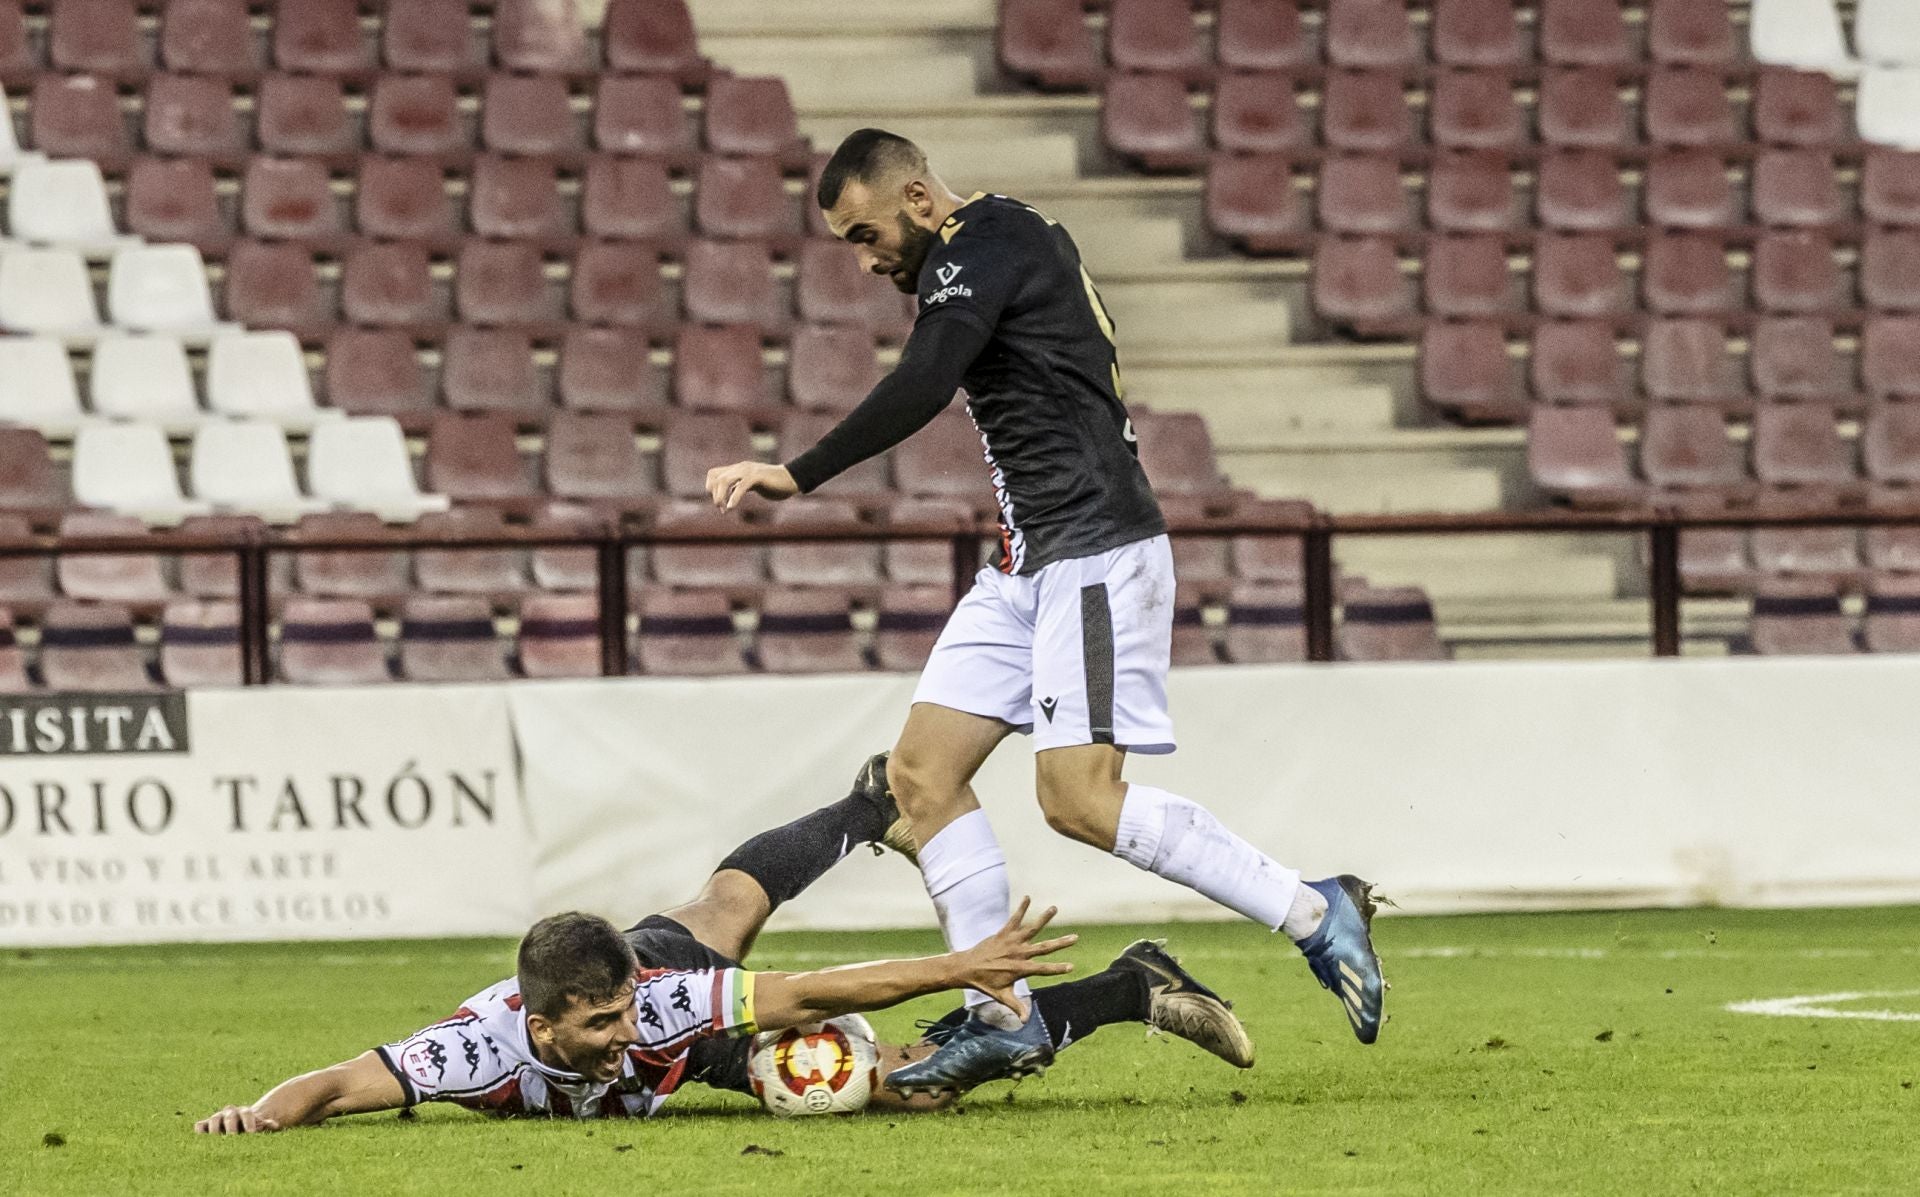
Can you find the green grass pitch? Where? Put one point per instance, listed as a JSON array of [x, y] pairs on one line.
[[1530, 1054]]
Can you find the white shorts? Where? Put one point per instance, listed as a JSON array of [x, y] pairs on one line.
[[1076, 653]]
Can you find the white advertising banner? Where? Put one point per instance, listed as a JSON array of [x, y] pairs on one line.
[[1458, 786], [268, 814]]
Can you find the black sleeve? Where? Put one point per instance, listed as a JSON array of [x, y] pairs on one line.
[[931, 366]]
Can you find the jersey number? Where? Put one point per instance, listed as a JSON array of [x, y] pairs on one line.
[[1106, 326]]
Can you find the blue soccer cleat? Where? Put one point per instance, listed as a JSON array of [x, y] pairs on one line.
[[1340, 952], [974, 1053]]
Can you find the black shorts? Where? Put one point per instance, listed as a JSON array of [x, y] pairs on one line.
[[659, 942]]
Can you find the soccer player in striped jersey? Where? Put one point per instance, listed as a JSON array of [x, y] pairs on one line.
[[600, 1023]]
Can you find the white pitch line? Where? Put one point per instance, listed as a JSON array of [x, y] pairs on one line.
[[1821, 1005]]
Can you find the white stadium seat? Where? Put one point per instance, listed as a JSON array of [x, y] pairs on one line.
[[46, 291], [363, 463], [36, 385], [245, 466], [160, 288], [1887, 108], [62, 202], [144, 377], [263, 375], [1887, 32], [1801, 33], [129, 468]]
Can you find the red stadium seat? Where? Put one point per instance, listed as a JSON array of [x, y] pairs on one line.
[[1464, 369], [1580, 192], [273, 286], [208, 37], [1686, 361], [1192, 641], [26, 583], [752, 117], [1890, 356], [1794, 272], [200, 643], [378, 576], [1251, 201], [449, 639], [801, 563], [630, 199], [1584, 33], [607, 369], [1577, 278], [77, 116], [539, 36], [1890, 187], [217, 575], [322, 37], [428, 36], [1689, 190], [1577, 362], [1388, 624], [1794, 358], [617, 284], [718, 368], [697, 442], [1370, 35], [1365, 112], [187, 114], [1477, 33], [944, 460], [1358, 281], [89, 647], [807, 631], [1147, 120], [1360, 196], [1687, 448], [1796, 188], [1471, 193], [289, 198], [1892, 620], [15, 53], [1892, 548], [1279, 558], [562, 568], [416, 114], [136, 580], [402, 198], [1046, 42], [641, 114], [1475, 110], [173, 199], [687, 634], [830, 368], [1796, 617], [330, 642], [1154, 35], [1799, 445], [1797, 108], [375, 373], [102, 36], [924, 563], [303, 114], [1574, 453], [743, 198], [1582, 109], [1466, 278], [1176, 451], [1260, 35], [474, 459], [1890, 270], [731, 283], [651, 37], [595, 458], [871, 479], [737, 565], [502, 282], [389, 284], [492, 370], [1691, 33], [529, 114], [908, 625], [560, 636], [1688, 108], [1258, 114], [1265, 624], [28, 479], [1686, 275], [517, 198]]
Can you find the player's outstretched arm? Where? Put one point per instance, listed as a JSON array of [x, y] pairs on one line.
[[357, 1086], [991, 966]]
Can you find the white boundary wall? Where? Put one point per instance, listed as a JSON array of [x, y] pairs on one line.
[[1458, 787]]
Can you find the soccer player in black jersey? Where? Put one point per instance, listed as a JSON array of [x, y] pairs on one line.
[[1068, 635]]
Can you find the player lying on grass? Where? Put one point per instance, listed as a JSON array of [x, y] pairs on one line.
[[600, 1023]]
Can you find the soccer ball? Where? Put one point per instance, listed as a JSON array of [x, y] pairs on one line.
[[829, 1067]]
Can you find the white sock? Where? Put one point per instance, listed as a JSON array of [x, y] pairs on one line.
[[1180, 840], [966, 876]]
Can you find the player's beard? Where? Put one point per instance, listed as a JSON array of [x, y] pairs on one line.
[[915, 244]]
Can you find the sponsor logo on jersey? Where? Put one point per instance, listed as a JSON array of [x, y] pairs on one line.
[[948, 273], [425, 1060], [956, 291]]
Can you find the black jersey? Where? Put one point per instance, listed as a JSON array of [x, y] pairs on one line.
[[1045, 392]]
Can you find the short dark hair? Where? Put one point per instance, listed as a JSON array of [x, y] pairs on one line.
[[573, 957], [865, 155]]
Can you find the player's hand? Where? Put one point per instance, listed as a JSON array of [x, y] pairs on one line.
[[1010, 954], [236, 1120], [727, 485]]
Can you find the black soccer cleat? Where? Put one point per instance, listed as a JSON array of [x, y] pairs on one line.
[[1180, 1005], [871, 784]]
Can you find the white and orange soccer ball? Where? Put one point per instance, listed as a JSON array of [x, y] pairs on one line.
[[829, 1067]]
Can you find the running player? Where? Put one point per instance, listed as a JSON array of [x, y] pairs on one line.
[[598, 1023], [1068, 636]]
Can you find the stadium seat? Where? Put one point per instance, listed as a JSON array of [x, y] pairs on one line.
[[208, 37], [1280, 558], [1192, 641], [375, 372], [830, 368], [46, 291], [217, 575], [615, 284], [1584, 33], [1475, 110], [605, 369], [1797, 108], [919, 563], [1577, 277], [1890, 444], [739, 565], [492, 573], [1794, 272], [742, 198], [1580, 192], [303, 114], [403, 198], [1688, 190], [473, 458], [323, 37], [1795, 358], [1466, 278], [1799, 445], [95, 35], [871, 479], [696, 443], [1799, 617], [16, 54], [428, 37], [188, 114], [129, 468], [492, 370], [1388, 624], [752, 116], [160, 288], [851, 563], [1201, 562], [1154, 35], [1266, 624], [1885, 107], [13, 661], [262, 375], [174, 200], [416, 114], [1692, 33], [380, 575], [944, 460], [525, 114], [26, 583], [686, 633], [449, 639], [1686, 361], [89, 647], [61, 203], [1890, 188], [1577, 362], [363, 463], [1251, 201], [1260, 35], [200, 643], [1365, 112], [1687, 108], [1889, 270], [1890, 356], [1258, 113], [1176, 451], [630, 199], [1573, 453], [560, 636], [907, 624], [1804, 34], [502, 282], [77, 117], [1147, 120], [1895, 548], [593, 457], [1370, 35], [560, 568], [28, 480], [330, 642], [390, 283], [651, 37], [1886, 33], [1047, 43], [1357, 281], [273, 286], [138, 580], [1796, 188], [730, 282], [1477, 33], [1582, 109], [1832, 554], [807, 631], [1464, 370], [246, 466], [540, 36], [1891, 623], [37, 387], [1687, 275], [1360, 196], [1688, 449], [832, 289], [641, 114], [718, 368]]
